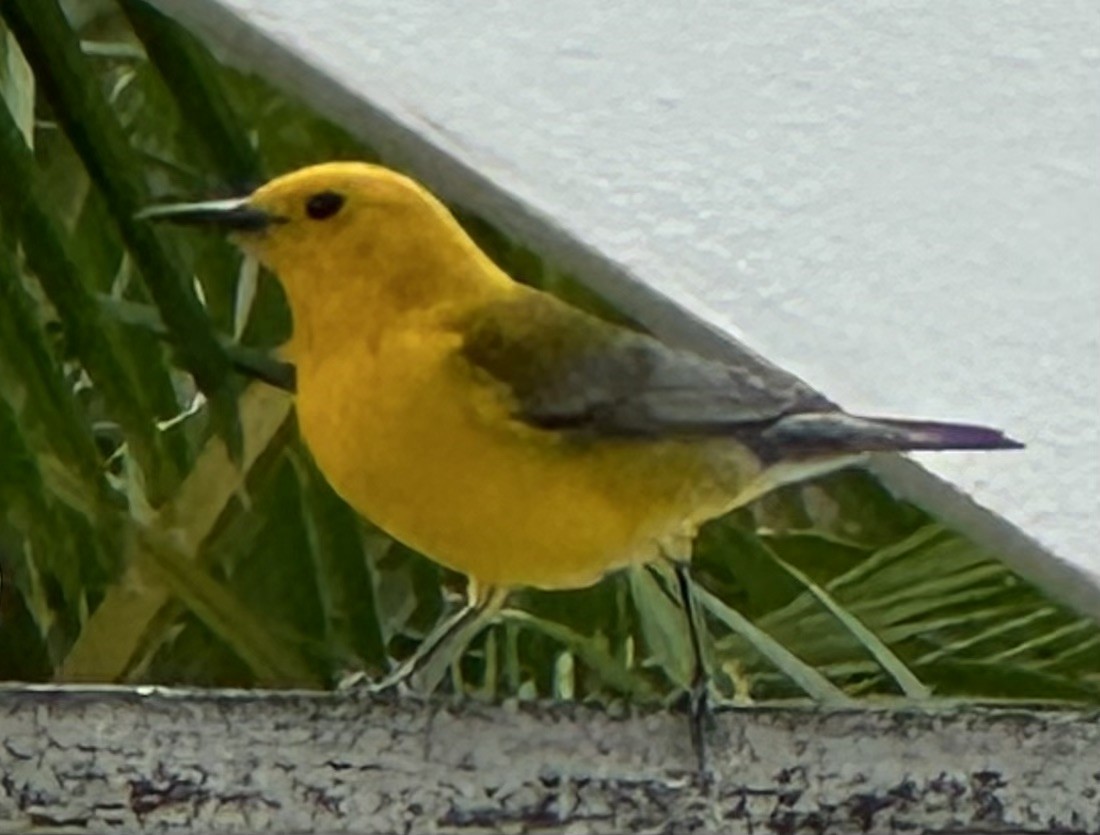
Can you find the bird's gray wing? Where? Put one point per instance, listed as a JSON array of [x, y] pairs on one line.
[[567, 370]]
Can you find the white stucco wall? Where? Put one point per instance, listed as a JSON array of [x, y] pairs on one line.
[[898, 201]]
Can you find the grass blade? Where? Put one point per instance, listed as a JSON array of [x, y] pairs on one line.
[[89, 335], [664, 627], [47, 400], [813, 683], [342, 569], [910, 685], [114, 632], [592, 651], [188, 72], [266, 646], [251, 362], [53, 51]]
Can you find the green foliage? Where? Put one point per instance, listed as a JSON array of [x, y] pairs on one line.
[[160, 522]]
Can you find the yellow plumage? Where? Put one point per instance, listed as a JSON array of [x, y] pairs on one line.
[[431, 450]]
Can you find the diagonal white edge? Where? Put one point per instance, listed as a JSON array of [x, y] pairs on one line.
[[897, 205]]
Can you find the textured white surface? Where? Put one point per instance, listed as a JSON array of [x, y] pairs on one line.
[[898, 202]]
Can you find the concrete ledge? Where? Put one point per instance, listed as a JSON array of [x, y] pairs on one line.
[[120, 760]]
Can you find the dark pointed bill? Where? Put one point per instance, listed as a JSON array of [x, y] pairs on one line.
[[235, 214]]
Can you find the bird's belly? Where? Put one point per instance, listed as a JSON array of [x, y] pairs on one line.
[[442, 467]]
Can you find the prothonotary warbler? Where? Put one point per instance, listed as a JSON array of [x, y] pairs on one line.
[[500, 431]]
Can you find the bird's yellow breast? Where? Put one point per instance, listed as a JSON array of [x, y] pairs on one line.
[[414, 440]]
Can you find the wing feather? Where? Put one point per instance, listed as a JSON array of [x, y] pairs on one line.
[[568, 370]]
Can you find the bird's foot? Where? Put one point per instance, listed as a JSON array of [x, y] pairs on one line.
[[697, 700]]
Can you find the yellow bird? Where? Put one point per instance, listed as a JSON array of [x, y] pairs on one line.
[[496, 429]]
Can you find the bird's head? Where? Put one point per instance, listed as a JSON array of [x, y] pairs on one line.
[[343, 229]]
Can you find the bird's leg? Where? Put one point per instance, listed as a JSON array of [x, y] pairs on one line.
[[697, 695], [429, 662]]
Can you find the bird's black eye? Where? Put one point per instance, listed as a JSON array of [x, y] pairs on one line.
[[324, 204]]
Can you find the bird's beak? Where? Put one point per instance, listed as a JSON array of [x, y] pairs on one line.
[[235, 215]]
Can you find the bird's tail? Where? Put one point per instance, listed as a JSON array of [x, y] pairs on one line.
[[816, 433]]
